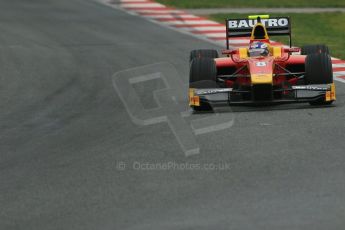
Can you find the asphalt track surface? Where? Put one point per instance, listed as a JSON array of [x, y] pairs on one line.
[[64, 129]]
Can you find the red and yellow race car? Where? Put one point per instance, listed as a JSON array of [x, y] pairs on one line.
[[262, 72]]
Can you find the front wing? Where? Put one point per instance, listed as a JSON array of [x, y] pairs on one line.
[[299, 93]]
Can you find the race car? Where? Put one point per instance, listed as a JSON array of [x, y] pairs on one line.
[[263, 72]]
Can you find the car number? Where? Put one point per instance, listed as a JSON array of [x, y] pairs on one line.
[[261, 64]]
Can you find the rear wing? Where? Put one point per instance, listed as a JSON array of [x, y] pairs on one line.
[[275, 26]]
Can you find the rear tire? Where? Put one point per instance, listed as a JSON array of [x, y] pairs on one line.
[[318, 68], [313, 49], [203, 73], [203, 53]]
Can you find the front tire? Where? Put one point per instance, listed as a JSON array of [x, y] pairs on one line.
[[203, 74], [318, 68]]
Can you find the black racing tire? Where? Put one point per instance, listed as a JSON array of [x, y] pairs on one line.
[[203, 53], [318, 68], [312, 49], [203, 74]]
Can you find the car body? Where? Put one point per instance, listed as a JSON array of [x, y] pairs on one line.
[[285, 75]]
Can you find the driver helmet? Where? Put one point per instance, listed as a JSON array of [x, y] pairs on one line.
[[258, 49]]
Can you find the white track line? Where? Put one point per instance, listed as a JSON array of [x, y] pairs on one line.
[[125, 1], [169, 16], [159, 11], [338, 65], [201, 22], [142, 5]]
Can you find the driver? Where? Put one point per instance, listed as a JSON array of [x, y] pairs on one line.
[[258, 49]]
